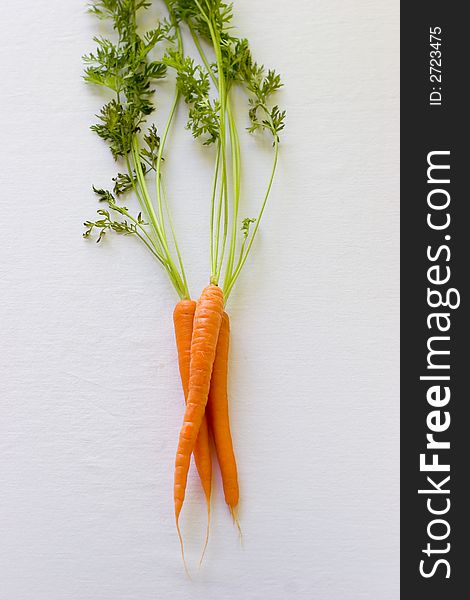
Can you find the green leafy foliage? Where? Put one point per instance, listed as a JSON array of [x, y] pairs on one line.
[[245, 228], [123, 182], [211, 20], [129, 67], [125, 68], [150, 153], [262, 87], [200, 13], [108, 222], [194, 85]]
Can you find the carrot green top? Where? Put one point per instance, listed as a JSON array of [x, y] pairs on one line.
[[124, 66], [207, 90], [127, 66]]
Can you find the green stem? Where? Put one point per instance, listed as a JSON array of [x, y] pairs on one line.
[[223, 199], [213, 250], [135, 152], [235, 144], [214, 231], [158, 182], [158, 165], [150, 247], [229, 285], [149, 241], [173, 234], [236, 162], [155, 239], [170, 265], [203, 56], [222, 208]]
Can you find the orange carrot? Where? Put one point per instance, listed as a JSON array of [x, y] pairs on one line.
[[206, 326], [218, 415], [183, 317]]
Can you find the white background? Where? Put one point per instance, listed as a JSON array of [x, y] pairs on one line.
[[90, 401]]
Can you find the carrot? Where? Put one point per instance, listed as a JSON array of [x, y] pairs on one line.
[[206, 326], [217, 413], [183, 317]]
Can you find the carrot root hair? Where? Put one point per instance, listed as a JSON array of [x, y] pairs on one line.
[[206, 541], [180, 537], [234, 513]]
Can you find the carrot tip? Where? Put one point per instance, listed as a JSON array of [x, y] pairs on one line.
[[234, 513], [207, 532], [182, 548]]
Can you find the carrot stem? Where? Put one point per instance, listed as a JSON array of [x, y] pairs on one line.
[[228, 286]]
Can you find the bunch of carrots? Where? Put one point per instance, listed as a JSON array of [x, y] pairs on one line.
[[131, 64]]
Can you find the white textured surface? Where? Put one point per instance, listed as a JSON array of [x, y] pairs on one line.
[[90, 401]]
